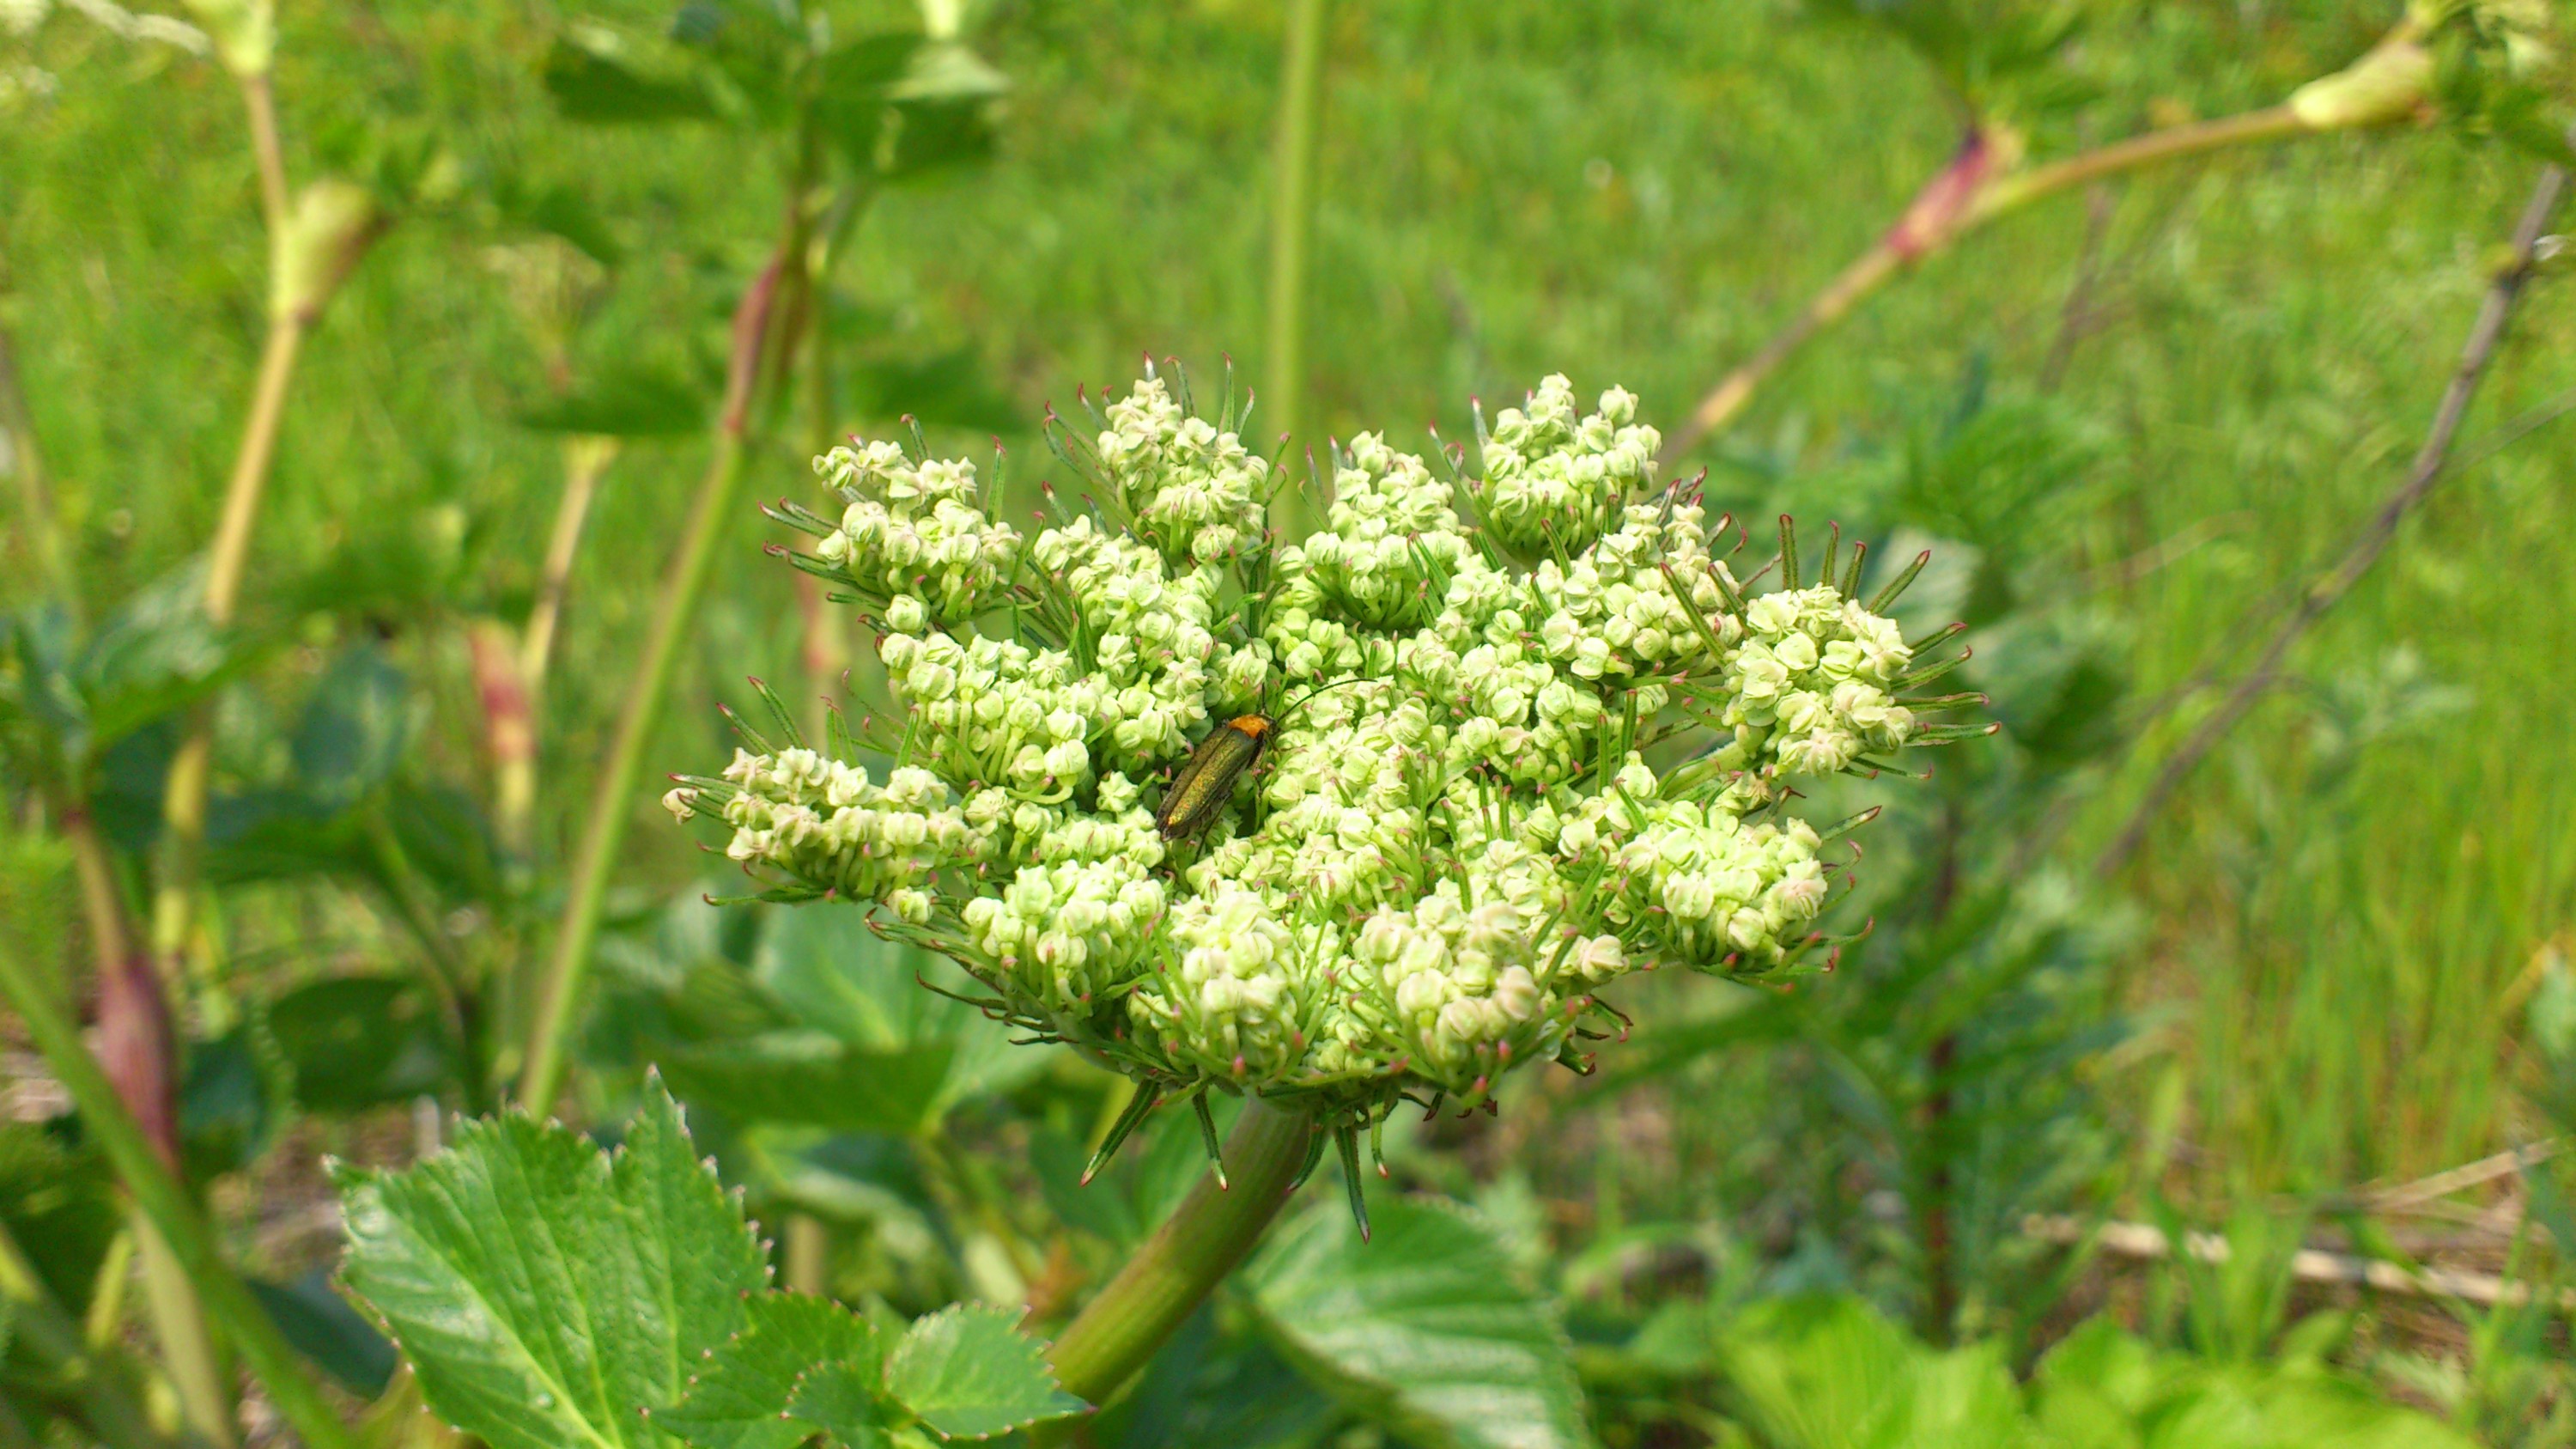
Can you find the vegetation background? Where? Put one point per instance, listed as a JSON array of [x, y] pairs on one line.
[[2175, 395]]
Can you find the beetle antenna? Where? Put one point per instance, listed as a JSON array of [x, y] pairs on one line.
[[1300, 702]]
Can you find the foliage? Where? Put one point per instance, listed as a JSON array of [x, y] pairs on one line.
[[2315, 978], [545, 1291]]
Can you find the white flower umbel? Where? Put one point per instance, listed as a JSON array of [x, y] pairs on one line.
[[1521, 735]]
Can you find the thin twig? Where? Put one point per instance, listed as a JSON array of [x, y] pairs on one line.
[[1944, 211], [2374, 538], [2309, 1265], [259, 96]]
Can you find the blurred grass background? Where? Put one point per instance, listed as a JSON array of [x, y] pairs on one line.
[[2346, 900]]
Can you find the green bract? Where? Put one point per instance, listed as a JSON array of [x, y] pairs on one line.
[[1541, 744]]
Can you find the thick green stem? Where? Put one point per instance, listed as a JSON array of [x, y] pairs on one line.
[[683, 586], [1173, 1273], [167, 1206], [1292, 234]]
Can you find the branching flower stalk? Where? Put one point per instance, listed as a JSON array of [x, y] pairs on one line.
[[684, 584], [2431, 460], [1521, 732], [1985, 182]]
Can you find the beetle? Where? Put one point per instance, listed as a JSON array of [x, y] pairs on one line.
[[1206, 779]]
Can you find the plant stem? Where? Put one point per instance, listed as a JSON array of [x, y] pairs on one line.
[[2374, 538], [1206, 1236], [1989, 198], [139, 1058], [586, 461], [166, 1205], [183, 801], [682, 587], [259, 96], [1292, 234]]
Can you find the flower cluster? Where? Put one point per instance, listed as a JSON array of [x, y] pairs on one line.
[[914, 532], [1554, 479], [1194, 491], [1484, 792]]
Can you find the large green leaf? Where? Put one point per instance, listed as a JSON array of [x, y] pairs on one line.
[[1820, 1372], [1424, 1329], [969, 1373], [545, 1291], [806, 1365]]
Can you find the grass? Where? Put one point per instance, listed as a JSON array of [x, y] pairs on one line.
[[1624, 191]]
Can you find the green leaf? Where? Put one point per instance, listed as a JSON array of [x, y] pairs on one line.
[[1207, 1388], [593, 77], [355, 1042], [1825, 1372], [809, 1078], [742, 1397], [845, 1400], [354, 728], [1425, 1329], [831, 972], [2251, 1407], [545, 1291], [322, 1326], [932, 137], [969, 1373]]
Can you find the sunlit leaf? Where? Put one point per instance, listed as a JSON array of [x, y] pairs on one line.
[[969, 1373], [739, 1397], [1422, 1329], [544, 1291]]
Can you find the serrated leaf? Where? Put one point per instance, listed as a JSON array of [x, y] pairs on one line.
[[969, 1373], [845, 1401], [1425, 1329], [742, 1396], [546, 1292]]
